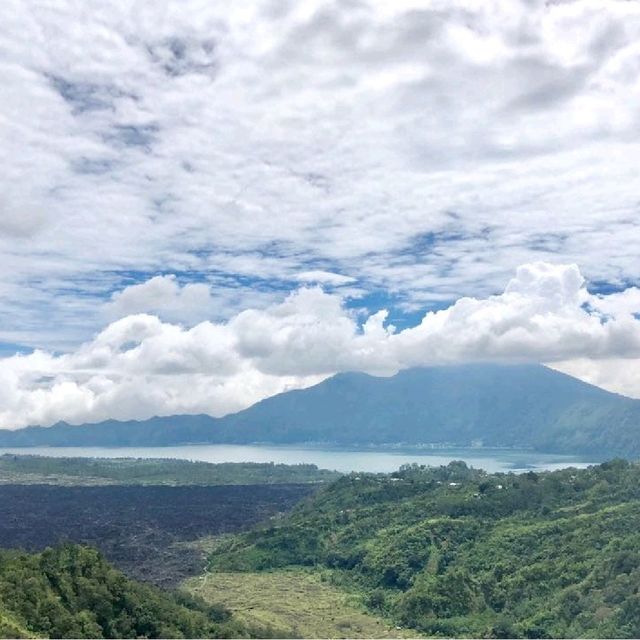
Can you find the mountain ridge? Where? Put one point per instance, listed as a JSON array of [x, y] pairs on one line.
[[528, 406]]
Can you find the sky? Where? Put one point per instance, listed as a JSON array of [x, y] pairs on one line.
[[206, 203]]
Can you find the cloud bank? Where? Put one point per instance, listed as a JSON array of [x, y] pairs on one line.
[[140, 366]]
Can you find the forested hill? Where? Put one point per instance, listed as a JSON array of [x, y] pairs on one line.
[[457, 552], [72, 592], [513, 406]]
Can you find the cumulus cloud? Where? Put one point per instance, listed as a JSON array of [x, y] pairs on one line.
[[140, 366], [164, 296], [422, 148]]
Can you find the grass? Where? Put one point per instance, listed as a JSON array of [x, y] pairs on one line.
[[295, 602]]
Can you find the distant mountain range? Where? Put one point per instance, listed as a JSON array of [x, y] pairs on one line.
[[527, 406]]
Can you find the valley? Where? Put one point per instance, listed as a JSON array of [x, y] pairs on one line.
[[156, 521], [444, 551]]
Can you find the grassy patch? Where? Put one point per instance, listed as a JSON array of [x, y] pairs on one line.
[[297, 602]]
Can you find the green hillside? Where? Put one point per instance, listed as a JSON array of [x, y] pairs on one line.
[[71, 592], [457, 552]]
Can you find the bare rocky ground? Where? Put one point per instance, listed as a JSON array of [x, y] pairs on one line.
[[140, 529]]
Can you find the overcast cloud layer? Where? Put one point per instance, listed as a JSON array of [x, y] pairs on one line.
[[197, 161]]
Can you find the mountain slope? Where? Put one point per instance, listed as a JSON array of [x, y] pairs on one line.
[[498, 405], [514, 406]]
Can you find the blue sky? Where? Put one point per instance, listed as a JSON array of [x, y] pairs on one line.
[[194, 160]]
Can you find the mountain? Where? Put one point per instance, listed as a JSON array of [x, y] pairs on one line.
[[512, 406], [495, 405]]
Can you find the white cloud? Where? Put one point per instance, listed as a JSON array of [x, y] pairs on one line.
[[140, 366], [163, 295], [541, 316], [619, 375], [422, 148], [627, 301], [324, 277]]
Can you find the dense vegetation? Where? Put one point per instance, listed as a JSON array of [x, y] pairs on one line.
[[454, 551], [527, 406], [29, 469], [72, 592]]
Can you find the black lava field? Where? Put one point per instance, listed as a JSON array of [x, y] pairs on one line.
[[139, 528]]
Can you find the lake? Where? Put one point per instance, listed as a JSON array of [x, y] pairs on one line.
[[373, 460]]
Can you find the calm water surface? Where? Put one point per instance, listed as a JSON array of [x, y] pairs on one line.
[[491, 460]]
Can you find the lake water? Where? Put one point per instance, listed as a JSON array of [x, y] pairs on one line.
[[377, 460]]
